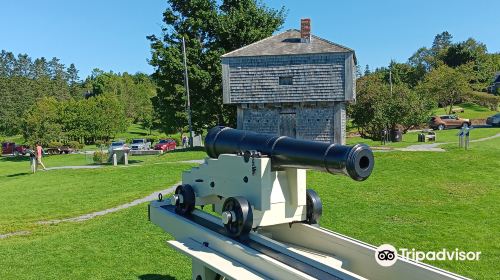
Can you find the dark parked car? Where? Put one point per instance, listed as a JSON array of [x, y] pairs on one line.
[[494, 120], [447, 121], [8, 148], [166, 145], [60, 150], [12, 148], [21, 150]]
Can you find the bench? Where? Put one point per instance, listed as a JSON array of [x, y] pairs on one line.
[[427, 136]]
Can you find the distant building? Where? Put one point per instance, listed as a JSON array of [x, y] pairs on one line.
[[496, 83], [292, 83]]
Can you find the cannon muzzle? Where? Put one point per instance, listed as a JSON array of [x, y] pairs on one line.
[[286, 152]]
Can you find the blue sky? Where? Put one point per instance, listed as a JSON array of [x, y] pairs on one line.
[[111, 34]]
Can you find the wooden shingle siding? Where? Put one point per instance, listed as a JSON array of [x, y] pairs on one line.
[[316, 77], [282, 86], [312, 123]]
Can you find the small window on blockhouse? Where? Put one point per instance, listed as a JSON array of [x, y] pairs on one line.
[[286, 81]]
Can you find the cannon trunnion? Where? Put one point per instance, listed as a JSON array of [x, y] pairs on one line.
[[255, 180]]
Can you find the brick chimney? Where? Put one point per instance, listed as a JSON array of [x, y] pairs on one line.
[[305, 30]]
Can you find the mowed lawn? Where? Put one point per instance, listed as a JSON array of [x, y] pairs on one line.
[[421, 200], [26, 198], [443, 136]]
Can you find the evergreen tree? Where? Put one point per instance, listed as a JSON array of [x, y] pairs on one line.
[[367, 70]]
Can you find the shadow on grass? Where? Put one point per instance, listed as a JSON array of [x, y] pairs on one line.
[[156, 277], [18, 174], [194, 149], [475, 107], [138, 133], [130, 161], [15, 159]]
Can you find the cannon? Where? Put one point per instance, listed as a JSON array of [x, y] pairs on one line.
[[267, 225], [254, 180]]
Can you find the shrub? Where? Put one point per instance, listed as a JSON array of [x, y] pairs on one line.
[[99, 143], [484, 99], [75, 145], [99, 157], [55, 144], [153, 138]]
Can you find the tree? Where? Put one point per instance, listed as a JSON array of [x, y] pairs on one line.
[[446, 85], [109, 116], [376, 108], [359, 74], [72, 74], [133, 91], [367, 70], [23, 66], [7, 62], [441, 42], [209, 31], [464, 52], [41, 123]]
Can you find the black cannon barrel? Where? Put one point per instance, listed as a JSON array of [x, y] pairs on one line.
[[354, 161]]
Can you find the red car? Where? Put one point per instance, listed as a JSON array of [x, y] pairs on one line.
[[166, 145], [12, 148]]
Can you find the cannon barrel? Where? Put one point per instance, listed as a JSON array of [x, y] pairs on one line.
[[286, 152]]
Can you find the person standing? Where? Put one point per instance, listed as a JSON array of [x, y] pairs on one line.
[[32, 159], [39, 155], [184, 141]]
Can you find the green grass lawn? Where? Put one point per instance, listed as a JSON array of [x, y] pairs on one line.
[[471, 111], [68, 193], [444, 136], [424, 200]]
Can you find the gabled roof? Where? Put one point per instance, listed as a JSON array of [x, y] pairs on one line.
[[288, 43]]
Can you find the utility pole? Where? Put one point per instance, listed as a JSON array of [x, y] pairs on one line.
[[390, 78], [186, 84]]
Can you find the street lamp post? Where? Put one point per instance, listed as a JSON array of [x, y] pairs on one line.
[[186, 84]]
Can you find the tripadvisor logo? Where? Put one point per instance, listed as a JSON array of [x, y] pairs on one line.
[[387, 255]]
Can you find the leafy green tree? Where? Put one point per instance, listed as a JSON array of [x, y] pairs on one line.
[[376, 108], [108, 117], [23, 82], [41, 122], [464, 52], [422, 59], [446, 85], [209, 31], [133, 91]]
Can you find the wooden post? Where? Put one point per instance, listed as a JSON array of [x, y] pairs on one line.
[[114, 159], [33, 164]]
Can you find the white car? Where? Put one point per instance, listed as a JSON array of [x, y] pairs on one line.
[[140, 144], [118, 145]]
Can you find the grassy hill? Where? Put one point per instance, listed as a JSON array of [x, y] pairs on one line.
[[471, 111], [422, 200]]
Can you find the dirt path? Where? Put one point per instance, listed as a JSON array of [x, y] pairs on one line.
[[6, 235], [92, 215], [434, 147], [198, 161]]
